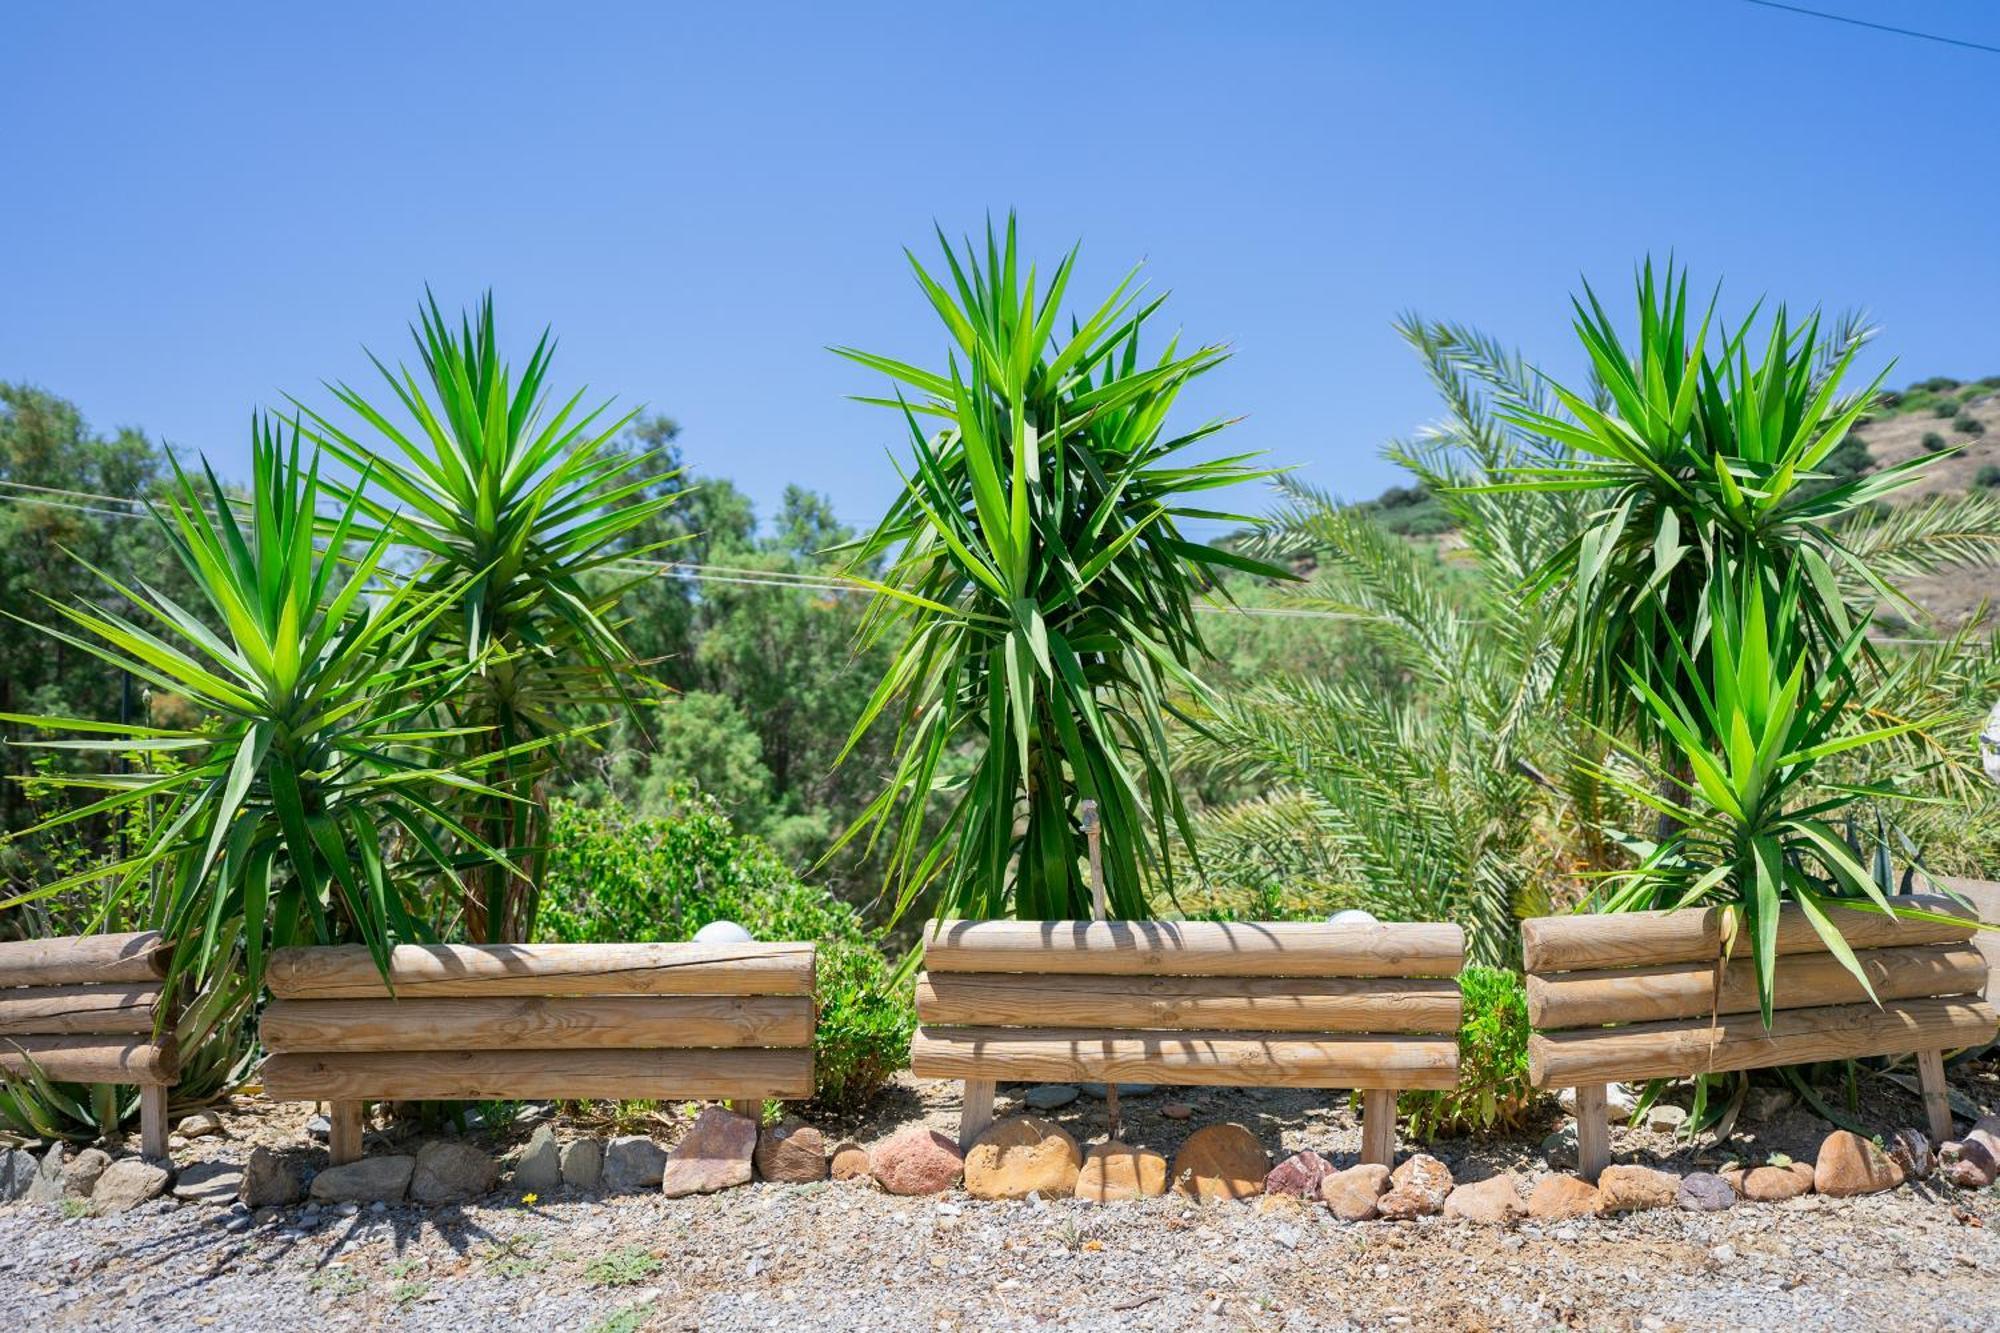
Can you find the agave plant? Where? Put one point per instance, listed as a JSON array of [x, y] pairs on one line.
[[305, 803], [518, 512], [1040, 594]]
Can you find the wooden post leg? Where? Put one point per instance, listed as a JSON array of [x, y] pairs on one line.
[[1378, 1126], [977, 1112], [753, 1107], [1937, 1102], [153, 1121], [1593, 1131], [344, 1141]]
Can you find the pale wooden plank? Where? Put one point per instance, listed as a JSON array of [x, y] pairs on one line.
[[1218, 1059], [1195, 948], [1593, 1131], [1378, 1126], [1937, 1094], [975, 1111], [121, 1007], [1228, 1004], [1694, 934], [153, 1134], [347, 1122], [486, 1023], [346, 972], [92, 1058], [566, 1074], [70, 960]]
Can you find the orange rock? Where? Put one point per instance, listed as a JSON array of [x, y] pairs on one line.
[[1115, 1171], [1631, 1189], [1221, 1162], [1352, 1194], [1849, 1164], [1558, 1198], [1022, 1155]]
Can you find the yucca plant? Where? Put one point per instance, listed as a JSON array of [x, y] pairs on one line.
[[306, 802], [1039, 592], [518, 512]]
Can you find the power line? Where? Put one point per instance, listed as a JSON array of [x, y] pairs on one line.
[[1878, 27]]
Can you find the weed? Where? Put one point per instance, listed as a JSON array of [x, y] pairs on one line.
[[621, 1268]]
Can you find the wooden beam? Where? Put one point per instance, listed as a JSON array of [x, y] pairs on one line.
[[92, 1058], [566, 1074], [1937, 1094], [347, 1121], [1211, 1059], [1227, 1004], [153, 1122], [1378, 1126], [505, 1023], [1195, 948], [1804, 981], [67, 1010], [1740, 1041], [1593, 1131], [84, 959], [975, 1110], [1694, 934], [348, 972]]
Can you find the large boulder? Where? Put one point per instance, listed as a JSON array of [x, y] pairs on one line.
[[127, 1183], [269, 1181], [583, 1163], [18, 1169], [1495, 1201], [1298, 1175], [80, 1177], [1634, 1189], [47, 1186], [1113, 1172], [915, 1160], [539, 1167], [1771, 1183], [1417, 1188], [633, 1162], [1561, 1198], [1849, 1164], [370, 1180], [791, 1152], [714, 1155], [1221, 1162], [1352, 1195], [449, 1172], [1022, 1155]]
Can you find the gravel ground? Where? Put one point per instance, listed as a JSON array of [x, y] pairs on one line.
[[841, 1256]]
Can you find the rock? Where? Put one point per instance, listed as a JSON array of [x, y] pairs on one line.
[[320, 1128], [1619, 1101], [127, 1183], [200, 1125], [1911, 1150], [18, 1169], [1705, 1192], [452, 1172], [1352, 1194], [915, 1160], [791, 1152], [1048, 1096], [583, 1163], [716, 1154], [1113, 1172], [269, 1181], [210, 1182], [1987, 1135], [81, 1176], [1771, 1184], [539, 1167], [1124, 1090], [1559, 1198], [47, 1186], [1967, 1165], [1022, 1155], [1634, 1189], [1300, 1175], [850, 1161], [1176, 1110], [1665, 1119], [365, 1181], [1849, 1164], [1417, 1188], [1495, 1201], [633, 1162], [1559, 1149], [1766, 1103], [1221, 1162]]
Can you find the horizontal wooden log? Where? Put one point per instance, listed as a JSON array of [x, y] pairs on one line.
[[348, 972], [1694, 934], [527, 1022], [53, 1010], [1739, 1041], [1208, 1059], [468, 1075], [76, 960], [1195, 948], [1803, 981], [91, 1059], [1222, 1004]]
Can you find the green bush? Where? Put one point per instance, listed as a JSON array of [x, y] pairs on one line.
[[1933, 442], [609, 878], [1968, 425], [1493, 1093], [1988, 475], [1947, 408]]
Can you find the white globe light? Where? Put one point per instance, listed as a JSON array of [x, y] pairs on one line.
[[722, 932], [1353, 916]]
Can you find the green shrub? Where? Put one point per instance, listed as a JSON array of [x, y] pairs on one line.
[[1933, 442], [1988, 475], [1969, 425], [609, 878], [1947, 408], [1493, 1093]]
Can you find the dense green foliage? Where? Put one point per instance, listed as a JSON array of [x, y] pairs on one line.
[[1493, 1094], [611, 877]]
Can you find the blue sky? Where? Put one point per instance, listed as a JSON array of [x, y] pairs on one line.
[[208, 206]]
